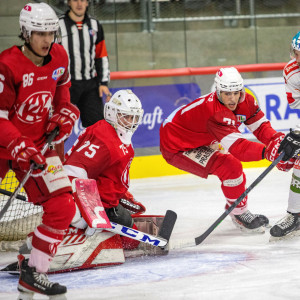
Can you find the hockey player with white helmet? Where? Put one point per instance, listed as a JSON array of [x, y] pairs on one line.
[[289, 225], [124, 113], [202, 138], [104, 152], [34, 100]]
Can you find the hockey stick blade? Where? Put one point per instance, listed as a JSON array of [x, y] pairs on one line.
[[27, 175], [168, 224], [202, 237]]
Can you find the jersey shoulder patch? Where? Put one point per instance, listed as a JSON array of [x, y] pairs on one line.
[[290, 67]]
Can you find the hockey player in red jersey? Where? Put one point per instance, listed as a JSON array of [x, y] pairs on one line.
[[34, 100], [289, 225], [190, 138], [104, 152]]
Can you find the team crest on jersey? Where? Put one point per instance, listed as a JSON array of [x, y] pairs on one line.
[[92, 32], [241, 118], [34, 108], [58, 72]]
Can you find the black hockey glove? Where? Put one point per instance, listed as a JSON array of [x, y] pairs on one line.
[[290, 145]]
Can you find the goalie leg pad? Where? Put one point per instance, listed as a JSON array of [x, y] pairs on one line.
[[78, 251]]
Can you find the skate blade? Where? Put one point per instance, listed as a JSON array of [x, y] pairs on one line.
[[58, 297], [25, 296], [284, 238], [259, 230], [12, 269], [29, 296]]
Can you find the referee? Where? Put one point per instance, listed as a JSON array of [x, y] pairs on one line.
[[83, 39]]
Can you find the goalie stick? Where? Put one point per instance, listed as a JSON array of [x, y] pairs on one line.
[[27, 175], [161, 240]]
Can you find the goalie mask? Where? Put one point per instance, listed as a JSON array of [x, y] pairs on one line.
[[295, 45], [37, 17], [124, 112], [229, 80]]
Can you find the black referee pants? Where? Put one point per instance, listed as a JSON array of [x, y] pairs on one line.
[[85, 95]]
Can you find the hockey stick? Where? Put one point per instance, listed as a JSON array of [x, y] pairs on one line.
[[161, 240], [27, 175], [199, 239]]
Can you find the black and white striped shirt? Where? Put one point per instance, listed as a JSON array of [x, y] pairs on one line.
[[86, 49]]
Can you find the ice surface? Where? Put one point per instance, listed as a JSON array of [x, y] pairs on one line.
[[228, 265]]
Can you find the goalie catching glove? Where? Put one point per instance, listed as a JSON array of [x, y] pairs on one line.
[[64, 118], [24, 151], [133, 206]]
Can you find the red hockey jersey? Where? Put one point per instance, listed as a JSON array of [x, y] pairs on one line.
[[99, 154], [206, 121], [28, 92]]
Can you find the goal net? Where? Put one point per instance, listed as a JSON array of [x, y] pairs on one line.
[[21, 217]]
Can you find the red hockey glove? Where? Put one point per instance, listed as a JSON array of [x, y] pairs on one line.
[[271, 151], [285, 166], [64, 118], [132, 205], [24, 151]]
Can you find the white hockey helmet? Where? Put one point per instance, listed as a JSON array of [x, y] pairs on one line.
[[295, 45], [229, 80], [38, 17], [124, 112]]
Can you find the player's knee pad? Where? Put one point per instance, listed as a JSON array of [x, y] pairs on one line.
[[119, 215], [59, 211]]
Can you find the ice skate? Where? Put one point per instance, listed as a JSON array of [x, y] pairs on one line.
[[31, 282], [250, 223], [286, 228]]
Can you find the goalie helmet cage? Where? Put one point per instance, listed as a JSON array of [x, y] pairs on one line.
[[20, 219]]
